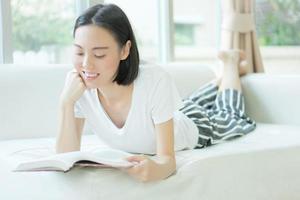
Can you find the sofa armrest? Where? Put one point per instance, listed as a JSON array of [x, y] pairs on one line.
[[272, 98], [29, 100]]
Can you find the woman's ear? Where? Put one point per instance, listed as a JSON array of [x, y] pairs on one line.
[[126, 50]]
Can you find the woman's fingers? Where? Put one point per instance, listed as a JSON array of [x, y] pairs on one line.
[[136, 158]]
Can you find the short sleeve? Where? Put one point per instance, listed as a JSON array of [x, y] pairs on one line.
[[165, 99]]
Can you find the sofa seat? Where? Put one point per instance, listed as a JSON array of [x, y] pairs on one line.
[[261, 165]]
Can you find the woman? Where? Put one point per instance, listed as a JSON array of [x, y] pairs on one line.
[[137, 108]]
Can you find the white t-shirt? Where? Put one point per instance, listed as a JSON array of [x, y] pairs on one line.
[[155, 100]]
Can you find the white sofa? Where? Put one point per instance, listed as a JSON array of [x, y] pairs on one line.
[[261, 165]]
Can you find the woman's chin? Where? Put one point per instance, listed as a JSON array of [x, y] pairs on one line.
[[90, 86]]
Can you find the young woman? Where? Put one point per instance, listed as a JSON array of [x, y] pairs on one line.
[[137, 108]]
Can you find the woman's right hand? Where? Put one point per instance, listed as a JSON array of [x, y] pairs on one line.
[[73, 89]]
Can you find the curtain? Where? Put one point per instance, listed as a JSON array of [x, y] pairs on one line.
[[238, 31]]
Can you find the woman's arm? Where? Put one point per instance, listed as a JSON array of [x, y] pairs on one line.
[[163, 164], [70, 129], [165, 155]]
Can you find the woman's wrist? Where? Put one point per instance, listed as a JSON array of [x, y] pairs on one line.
[[165, 166], [63, 103]]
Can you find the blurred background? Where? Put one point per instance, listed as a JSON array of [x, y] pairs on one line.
[[40, 31]]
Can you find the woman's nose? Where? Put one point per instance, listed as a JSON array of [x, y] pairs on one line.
[[87, 64]]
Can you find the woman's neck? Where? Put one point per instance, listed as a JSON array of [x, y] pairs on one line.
[[113, 93]]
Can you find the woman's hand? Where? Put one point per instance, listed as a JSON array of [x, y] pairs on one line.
[[73, 88], [146, 169]]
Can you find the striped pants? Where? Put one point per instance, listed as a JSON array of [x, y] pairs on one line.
[[219, 116]]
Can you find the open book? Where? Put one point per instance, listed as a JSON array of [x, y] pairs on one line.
[[104, 157]]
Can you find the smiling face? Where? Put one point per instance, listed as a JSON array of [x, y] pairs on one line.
[[97, 55]]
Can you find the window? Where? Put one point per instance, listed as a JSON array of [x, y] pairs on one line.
[[196, 25], [278, 22], [184, 34], [42, 31], [278, 28]]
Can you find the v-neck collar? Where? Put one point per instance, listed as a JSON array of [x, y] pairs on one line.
[[129, 112]]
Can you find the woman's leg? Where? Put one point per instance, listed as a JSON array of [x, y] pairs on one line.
[[217, 108], [196, 106], [230, 90], [226, 120], [230, 76], [228, 115], [243, 65], [206, 94]]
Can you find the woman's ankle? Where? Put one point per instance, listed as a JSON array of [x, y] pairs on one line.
[[233, 57]]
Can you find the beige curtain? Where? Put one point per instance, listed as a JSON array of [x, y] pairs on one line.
[[238, 31]]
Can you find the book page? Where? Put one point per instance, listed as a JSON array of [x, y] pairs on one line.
[[63, 161], [111, 154], [108, 156], [69, 158], [102, 157]]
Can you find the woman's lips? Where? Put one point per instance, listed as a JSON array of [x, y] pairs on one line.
[[90, 76]]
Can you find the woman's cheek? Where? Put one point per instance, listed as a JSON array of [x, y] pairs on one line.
[[113, 63], [77, 65], [76, 61]]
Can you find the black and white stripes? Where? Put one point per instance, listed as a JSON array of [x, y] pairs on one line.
[[219, 116]]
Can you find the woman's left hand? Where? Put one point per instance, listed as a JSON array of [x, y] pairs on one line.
[[144, 169]]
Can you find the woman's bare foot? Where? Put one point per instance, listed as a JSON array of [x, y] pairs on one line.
[[231, 73], [236, 57]]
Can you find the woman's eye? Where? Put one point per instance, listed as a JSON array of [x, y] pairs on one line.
[[79, 54], [100, 56]]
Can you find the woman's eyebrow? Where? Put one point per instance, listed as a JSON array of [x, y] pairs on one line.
[[100, 48], [95, 48]]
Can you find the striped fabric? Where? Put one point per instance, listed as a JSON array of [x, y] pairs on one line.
[[219, 116]]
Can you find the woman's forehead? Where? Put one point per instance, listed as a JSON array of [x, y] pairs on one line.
[[94, 35]]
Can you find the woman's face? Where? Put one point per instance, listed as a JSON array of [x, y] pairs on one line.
[[97, 55]]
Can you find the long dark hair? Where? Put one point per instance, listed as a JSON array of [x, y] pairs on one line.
[[113, 19]]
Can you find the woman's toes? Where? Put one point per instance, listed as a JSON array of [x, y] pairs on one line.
[[243, 68]]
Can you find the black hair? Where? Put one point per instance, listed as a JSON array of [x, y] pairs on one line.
[[113, 19]]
